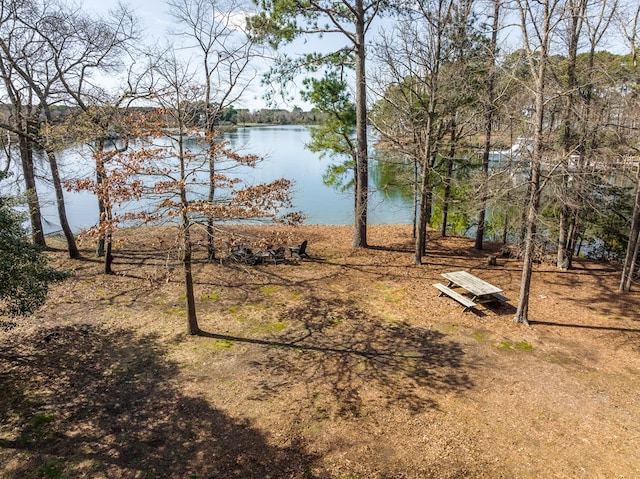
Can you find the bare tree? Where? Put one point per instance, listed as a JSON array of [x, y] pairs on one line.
[[211, 30], [425, 58], [538, 22], [84, 48], [489, 113], [19, 51], [173, 164]]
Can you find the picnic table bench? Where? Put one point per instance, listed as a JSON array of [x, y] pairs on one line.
[[481, 290], [463, 300]]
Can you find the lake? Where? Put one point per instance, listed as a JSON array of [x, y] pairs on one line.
[[284, 156]]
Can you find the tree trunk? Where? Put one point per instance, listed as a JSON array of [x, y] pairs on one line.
[[362, 165], [562, 260], [108, 239], [416, 199], [448, 178], [192, 321], [446, 198], [62, 212], [633, 244], [108, 256], [488, 126], [211, 250], [576, 13], [421, 238], [538, 71], [522, 313], [102, 195], [35, 215]]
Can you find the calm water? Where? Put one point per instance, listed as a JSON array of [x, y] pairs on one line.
[[285, 156]]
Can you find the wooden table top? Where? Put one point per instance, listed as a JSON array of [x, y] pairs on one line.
[[471, 283]]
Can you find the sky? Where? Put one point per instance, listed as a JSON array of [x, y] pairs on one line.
[[156, 21]]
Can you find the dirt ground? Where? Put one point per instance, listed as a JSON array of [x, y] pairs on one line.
[[345, 365]]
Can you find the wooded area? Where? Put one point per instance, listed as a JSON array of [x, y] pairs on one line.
[[440, 83]]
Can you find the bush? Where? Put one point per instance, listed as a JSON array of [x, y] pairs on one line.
[[24, 273]]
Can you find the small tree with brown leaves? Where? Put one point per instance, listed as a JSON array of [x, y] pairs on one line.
[[168, 168]]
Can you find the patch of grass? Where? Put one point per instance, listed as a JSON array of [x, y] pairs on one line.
[[223, 343], [269, 289], [480, 336], [560, 359], [210, 297], [296, 295], [504, 345], [450, 328], [507, 345], [389, 317], [276, 327], [390, 295], [524, 345], [178, 310], [42, 420]]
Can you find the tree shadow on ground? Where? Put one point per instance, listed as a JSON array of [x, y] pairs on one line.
[[81, 401], [333, 348]]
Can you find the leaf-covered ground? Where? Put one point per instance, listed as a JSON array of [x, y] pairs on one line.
[[345, 365]]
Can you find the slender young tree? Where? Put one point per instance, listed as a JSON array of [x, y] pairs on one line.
[[166, 169], [425, 57], [489, 113], [538, 23], [334, 137]]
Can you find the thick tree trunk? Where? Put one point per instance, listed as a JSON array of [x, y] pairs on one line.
[[33, 203], [362, 161]]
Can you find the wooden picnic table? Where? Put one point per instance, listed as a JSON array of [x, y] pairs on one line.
[[481, 290]]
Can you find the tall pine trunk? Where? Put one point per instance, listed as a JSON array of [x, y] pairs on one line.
[[488, 126], [362, 160]]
